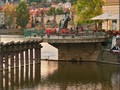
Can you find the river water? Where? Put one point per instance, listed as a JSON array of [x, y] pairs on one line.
[[54, 75]]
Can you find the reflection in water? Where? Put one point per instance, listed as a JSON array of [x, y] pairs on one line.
[[1, 80], [12, 79], [51, 75]]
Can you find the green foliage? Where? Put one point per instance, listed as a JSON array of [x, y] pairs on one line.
[[59, 11], [22, 16], [86, 9], [54, 11], [9, 14], [33, 3]]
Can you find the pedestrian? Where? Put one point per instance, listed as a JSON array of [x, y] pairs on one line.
[[77, 30], [71, 30]]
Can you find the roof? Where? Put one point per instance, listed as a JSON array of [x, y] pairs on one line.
[[103, 16], [115, 17]]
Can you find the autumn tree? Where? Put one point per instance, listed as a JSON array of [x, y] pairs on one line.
[[86, 9], [22, 14], [9, 14]]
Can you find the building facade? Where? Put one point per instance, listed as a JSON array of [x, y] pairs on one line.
[[112, 7]]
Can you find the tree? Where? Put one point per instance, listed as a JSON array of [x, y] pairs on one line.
[[86, 9], [22, 14], [52, 11], [9, 14], [59, 11]]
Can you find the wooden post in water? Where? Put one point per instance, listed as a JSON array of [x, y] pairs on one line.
[[31, 54], [11, 48], [16, 56], [37, 52], [1, 56], [21, 48], [26, 53], [17, 53], [6, 55], [36, 55]]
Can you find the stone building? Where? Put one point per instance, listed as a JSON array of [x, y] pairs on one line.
[[112, 7]]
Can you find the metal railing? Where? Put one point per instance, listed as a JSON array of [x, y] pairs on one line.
[[84, 34]]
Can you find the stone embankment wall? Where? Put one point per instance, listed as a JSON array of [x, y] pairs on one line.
[[78, 51], [109, 57]]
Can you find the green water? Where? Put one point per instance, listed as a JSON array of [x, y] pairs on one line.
[[53, 75]]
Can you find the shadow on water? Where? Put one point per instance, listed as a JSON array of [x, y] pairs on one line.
[[61, 76]]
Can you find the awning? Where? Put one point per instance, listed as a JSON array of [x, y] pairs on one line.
[[104, 16], [115, 17]]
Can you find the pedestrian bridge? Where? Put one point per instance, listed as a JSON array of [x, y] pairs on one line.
[[82, 37], [80, 47]]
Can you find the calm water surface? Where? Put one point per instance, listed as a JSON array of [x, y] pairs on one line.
[[52, 75]]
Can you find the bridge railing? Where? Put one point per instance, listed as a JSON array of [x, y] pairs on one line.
[[34, 33], [84, 34], [10, 32]]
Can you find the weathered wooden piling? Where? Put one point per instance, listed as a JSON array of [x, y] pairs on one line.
[[16, 47], [26, 54], [31, 55], [6, 55], [37, 47], [21, 49], [19, 52], [1, 56], [11, 54]]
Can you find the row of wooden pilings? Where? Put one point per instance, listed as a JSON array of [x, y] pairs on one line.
[[16, 54]]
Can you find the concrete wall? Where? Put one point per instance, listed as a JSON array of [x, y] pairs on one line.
[[108, 56], [79, 52]]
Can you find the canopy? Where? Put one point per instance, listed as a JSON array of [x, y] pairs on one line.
[[115, 17], [104, 16]]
